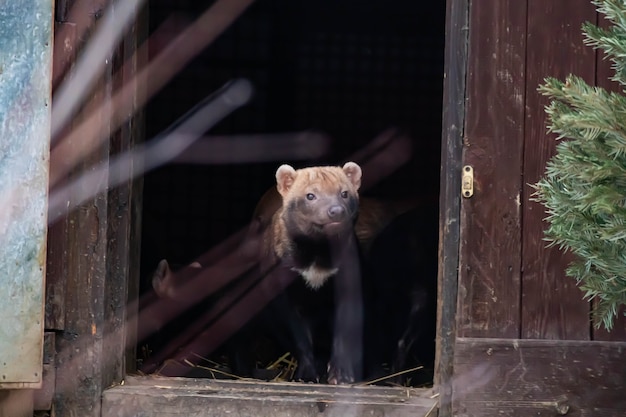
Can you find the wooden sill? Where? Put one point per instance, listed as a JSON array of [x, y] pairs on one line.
[[161, 396]]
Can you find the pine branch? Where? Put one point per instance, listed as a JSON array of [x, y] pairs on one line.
[[613, 40]]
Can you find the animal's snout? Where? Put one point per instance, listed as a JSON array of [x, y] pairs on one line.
[[336, 212]]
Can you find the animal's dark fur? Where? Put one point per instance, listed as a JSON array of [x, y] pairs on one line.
[[401, 293]]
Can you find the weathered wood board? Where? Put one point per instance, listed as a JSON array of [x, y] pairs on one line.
[[552, 304], [57, 258], [156, 397], [452, 139], [25, 72], [94, 254], [489, 282], [500, 377], [510, 284]]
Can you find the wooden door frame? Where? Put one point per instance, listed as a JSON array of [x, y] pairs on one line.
[[453, 122], [455, 69], [452, 134]]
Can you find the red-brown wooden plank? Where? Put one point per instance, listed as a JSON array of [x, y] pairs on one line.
[[552, 305], [603, 74], [489, 284], [498, 377]]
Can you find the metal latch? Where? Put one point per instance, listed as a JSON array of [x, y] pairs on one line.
[[467, 182]]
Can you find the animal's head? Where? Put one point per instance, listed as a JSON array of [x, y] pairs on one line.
[[319, 201]]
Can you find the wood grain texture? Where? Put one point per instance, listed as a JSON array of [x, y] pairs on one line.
[[136, 126], [497, 377], [56, 260], [56, 263], [489, 282], [156, 397], [120, 247], [99, 256], [552, 305], [449, 225], [81, 366], [80, 358]]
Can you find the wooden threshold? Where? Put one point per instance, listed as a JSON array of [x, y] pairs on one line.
[[161, 396]]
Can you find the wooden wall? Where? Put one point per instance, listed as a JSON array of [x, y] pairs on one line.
[[91, 253], [510, 284], [491, 247], [552, 305], [525, 344]]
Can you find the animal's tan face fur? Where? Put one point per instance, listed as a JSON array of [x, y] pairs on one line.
[[319, 201]]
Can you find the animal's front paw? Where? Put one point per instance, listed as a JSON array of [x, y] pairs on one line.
[[340, 374], [306, 371]]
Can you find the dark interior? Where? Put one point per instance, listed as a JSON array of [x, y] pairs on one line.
[[349, 69]]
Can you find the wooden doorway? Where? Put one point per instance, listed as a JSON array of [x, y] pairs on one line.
[[328, 68], [399, 65]]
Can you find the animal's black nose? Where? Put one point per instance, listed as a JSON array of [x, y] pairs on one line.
[[336, 212]]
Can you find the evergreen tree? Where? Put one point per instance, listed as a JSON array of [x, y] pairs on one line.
[[584, 187]]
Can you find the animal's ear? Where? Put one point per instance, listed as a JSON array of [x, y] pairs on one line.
[[285, 177], [353, 171]]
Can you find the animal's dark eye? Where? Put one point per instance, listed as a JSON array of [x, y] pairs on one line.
[[344, 194], [310, 196]]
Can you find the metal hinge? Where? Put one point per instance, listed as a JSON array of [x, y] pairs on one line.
[[467, 182]]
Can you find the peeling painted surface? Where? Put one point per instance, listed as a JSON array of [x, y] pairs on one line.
[[25, 69]]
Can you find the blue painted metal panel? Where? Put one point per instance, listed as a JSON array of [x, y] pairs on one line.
[[25, 70]]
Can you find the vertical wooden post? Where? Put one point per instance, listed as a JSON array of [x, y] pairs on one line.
[[79, 361], [124, 227], [98, 257], [80, 364], [64, 55], [452, 140]]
